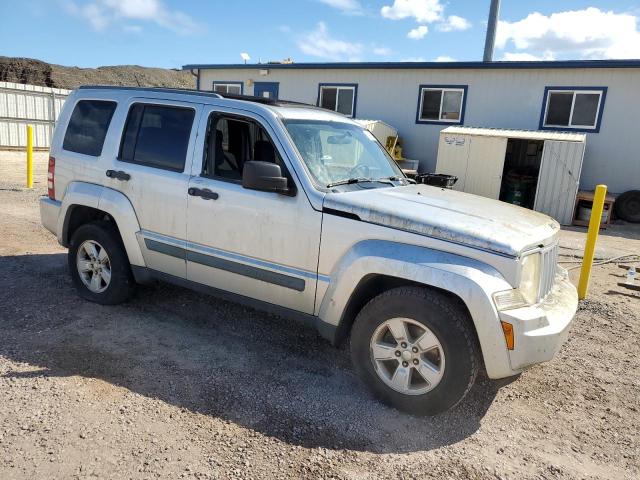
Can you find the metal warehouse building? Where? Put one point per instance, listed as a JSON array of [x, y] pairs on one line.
[[600, 98]]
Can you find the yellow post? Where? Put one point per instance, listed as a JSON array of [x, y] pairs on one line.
[[29, 156], [592, 236]]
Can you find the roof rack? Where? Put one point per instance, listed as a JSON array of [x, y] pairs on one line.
[[190, 91], [263, 100], [183, 91]]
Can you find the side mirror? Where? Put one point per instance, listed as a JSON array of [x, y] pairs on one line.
[[264, 176]]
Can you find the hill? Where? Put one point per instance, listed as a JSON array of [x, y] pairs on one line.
[[37, 72]]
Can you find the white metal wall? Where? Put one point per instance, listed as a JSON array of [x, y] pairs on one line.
[[507, 98], [22, 105]]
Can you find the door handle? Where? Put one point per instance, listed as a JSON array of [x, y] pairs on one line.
[[203, 193], [118, 174]]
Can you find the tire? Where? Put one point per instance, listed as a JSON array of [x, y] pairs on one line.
[[105, 239], [433, 318], [627, 206]]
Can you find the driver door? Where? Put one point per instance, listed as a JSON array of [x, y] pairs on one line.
[[262, 245]]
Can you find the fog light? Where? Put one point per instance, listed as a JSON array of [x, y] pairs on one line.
[[507, 329], [509, 299]]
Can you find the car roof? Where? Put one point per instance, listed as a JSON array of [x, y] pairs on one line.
[[282, 108]]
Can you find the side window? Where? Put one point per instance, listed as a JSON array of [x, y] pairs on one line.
[[88, 127], [231, 88], [157, 136], [566, 108], [339, 98], [232, 141], [441, 104]]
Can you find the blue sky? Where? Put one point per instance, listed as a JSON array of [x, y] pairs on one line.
[[171, 33]]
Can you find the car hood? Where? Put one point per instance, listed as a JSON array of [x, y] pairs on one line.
[[449, 215]]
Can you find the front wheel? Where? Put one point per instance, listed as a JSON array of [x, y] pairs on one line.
[[415, 350]]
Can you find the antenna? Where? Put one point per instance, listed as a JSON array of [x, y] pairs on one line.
[[245, 56]]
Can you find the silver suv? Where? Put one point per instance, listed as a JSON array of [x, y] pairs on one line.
[[300, 211]]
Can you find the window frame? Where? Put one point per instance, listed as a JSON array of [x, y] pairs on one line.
[[338, 87], [106, 135], [156, 104], [463, 104], [218, 114], [228, 83], [602, 91]]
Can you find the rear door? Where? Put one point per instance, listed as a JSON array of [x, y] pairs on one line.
[[158, 139]]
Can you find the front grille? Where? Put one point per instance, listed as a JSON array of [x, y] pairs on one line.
[[549, 261]]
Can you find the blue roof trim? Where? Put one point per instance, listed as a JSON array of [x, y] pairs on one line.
[[596, 129], [635, 63]]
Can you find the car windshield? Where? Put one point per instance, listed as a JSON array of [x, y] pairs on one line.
[[336, 152]]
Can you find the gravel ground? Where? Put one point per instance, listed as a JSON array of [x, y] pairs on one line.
[[178, 385]]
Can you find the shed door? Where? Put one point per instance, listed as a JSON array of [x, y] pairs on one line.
[[559, 179], [485, 165], [453, 155]]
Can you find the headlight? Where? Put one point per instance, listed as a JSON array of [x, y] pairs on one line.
[[527, 292], [530, 278]]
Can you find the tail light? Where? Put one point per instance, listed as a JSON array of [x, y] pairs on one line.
[[51, 186]]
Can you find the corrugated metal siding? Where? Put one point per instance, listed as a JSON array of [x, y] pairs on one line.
[[509, 99], [22, 105], [559, 179]]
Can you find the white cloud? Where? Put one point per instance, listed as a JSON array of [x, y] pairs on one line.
[[319, 43], [382, 51], [418, 32], [454, 22], [103, 13], [413, 59], [351, 7], [424, 11], [590, 33], [444, 58]]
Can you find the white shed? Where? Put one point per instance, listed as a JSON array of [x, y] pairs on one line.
[[535, 169]]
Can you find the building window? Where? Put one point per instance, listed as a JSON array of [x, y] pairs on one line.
[[340, 97], [230, 88], [571, 108], [441, 104]]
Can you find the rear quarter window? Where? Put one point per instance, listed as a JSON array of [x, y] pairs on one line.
[[88, 127]]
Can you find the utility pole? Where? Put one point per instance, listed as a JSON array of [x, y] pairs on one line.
[[492, 24]]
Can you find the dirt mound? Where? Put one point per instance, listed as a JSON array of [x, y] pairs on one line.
[[37, 72]]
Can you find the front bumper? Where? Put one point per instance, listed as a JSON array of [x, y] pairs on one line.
[[49, 211], [540, 330]]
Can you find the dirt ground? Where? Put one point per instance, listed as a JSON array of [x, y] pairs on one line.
[[178, 385]]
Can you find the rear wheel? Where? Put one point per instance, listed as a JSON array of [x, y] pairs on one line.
[[415, 350], [99, 265]]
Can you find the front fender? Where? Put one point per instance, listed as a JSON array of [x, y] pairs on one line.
[[472, 281], [110, 201]]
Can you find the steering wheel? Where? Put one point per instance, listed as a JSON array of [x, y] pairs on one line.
[[353, 173]]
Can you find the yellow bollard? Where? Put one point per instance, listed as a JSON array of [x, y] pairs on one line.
[[29, 156], [592, 237]]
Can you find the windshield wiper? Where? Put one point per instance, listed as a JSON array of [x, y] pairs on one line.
[[349, 181]]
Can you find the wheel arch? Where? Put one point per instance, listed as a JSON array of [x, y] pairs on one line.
[[373, 266], [84, 202]]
